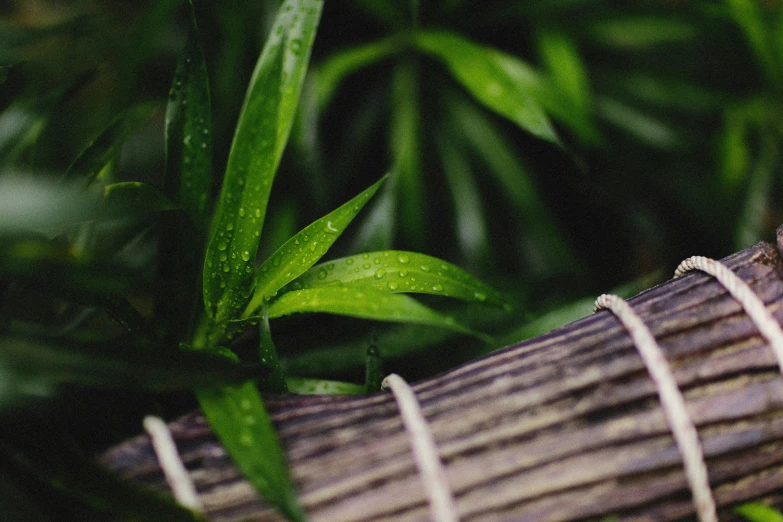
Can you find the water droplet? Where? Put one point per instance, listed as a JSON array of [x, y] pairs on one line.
[[241, 212], [403, 273], [222, 246], [349, 261], [245, 256], [437, 288], [223, 256], [480, 296], [330, 266], [366, 266], [402, 258], [424, 268], [380, 273], [230, 227], [393, 285], [330, 228], [322, 274], [258, 213], [365, 256], [296, 46], [226, 268]]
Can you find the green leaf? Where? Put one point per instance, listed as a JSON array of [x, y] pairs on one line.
[[129, 198], [304, 249], [101, 150], [70, 471], [405, 139], [303, 386], [238, 416], [343, 63], [641, 126], [481, 71], [756, 512], [35, 367], [565, 66], [29, 203], [641, 32], [395, 271], [273, 381], [516, 183], [470, 223], [753, 21], [366, 303], [261, 135], [373, 371], [188, 178]]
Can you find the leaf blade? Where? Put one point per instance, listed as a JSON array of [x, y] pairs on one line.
[[397, 271], [262, 132], [303, 250], [479, 69], [238, 416], [365, 303]]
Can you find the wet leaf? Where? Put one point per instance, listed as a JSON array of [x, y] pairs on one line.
[[261, 135], [304, 249], [396, 271], [481, 71], [373, 371], [188, 133], [273, 381], [365, 303], [238, 416]]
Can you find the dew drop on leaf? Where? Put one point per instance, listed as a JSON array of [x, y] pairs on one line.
[[393, 285], [246, 256], [349, 261], [402, 258], [322, 274], [380, 273], [222, 246], [437, 288]]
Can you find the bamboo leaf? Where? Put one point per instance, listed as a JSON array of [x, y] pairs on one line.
[[481, 71], [365, 303], [395, 271], [262, 132], [188, 133], [239, 418], [304, 249], [273, 381]]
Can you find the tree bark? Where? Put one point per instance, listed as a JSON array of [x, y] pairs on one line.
[[566, 426]]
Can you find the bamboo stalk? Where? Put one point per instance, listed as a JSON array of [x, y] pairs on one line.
[[566, 426]]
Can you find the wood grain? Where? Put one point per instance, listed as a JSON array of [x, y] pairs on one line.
[[566, 426]]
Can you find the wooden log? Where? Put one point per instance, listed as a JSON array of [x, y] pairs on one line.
[[566, 426]]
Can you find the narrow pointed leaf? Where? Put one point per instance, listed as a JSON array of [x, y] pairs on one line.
[[101, 150], [303, 386], [373, 371], [188, 133], [304, 249], [341, 64], [238, 416], [405, 148], [273, 381], [479, 69], [365, 303], [470, 223], [262, 132], [394, 271]]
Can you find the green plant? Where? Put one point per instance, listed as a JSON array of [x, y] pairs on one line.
[[217, 254]]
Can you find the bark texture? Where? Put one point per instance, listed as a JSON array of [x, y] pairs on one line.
[[566, 426]]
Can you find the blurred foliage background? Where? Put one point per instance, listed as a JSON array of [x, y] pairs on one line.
[[660, 126]]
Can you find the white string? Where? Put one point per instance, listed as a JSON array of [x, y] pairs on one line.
[[173, 468], [425, 452], [672, 402], [753, 306]]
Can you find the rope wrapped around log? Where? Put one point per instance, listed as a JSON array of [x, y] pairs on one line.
[[566, 426]]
